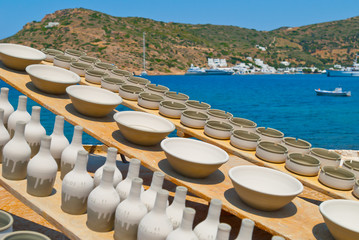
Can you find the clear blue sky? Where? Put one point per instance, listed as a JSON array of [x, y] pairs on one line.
[[257, 14]]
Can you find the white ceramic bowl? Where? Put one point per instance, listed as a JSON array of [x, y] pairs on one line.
[[171, 109], [264, 188], [18, 57], [326, 157], [122, 74], [51, 53], [88, 59], [352, 166], [270, 134], [341, 217], [156, 89], [176, 97], [93, 101], [94, 76], [219, 115], [193, 119], [338, 178], [245, 140], [243, 124], [218, 129], [63, 61], [356, 188], [149, 100], [112, 83], [302, 164], [271, 152], [138, 81], [296, 145], [106, 67], [193, 158], [130, 92], [74, 53], [51, 79], [143, 128], [80, 68], [194, 105]]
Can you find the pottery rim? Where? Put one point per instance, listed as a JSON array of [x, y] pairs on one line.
[[303, 159], [82, 66], [270, 132], [218, 125], [173, 105], [177, 96], [298, 143], [11, 220], [245, 135], [357, 182], [105, 66], [131, 89], [324, 153], [354, 165], [198, 104], [95, 73], [50, 68], [89, 59], [195, 115], [14, 235], [74, 52], [150, 97], [64, 58], [113, 80], [272, 147], [138, 80], [121, 72], [42, 57], [157, 88], [338, 173], [52, 52], [219, 113], [242, 122], [84, 87]]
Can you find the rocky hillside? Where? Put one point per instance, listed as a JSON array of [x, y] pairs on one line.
[[172, 47]]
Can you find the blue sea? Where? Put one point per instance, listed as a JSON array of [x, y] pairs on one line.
[[284, 102]]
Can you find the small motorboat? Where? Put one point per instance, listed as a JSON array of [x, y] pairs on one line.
[[338, 92]]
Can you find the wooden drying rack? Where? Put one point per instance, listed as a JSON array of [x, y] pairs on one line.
[[298, 220]]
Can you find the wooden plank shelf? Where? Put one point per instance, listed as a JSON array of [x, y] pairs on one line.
[[298, 220]]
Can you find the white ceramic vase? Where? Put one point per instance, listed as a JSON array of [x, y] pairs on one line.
[[129, 213], [110, 161], [223, 231], [16, 155], [76, 186], [34, 131], [102, 203], [123, 188], [184, 231], [69, 155], [156, 225], [4, 134], [148, 197], [5, 104], [41, 171], [246, 231], [58, 140], [175, 210], [207, 230], [20, 114]]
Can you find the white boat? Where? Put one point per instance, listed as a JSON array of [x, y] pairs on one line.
[[219, 71], [345, 72], [338, 92], [195, 71]]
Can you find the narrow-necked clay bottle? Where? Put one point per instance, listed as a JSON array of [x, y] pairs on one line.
[[58, 140], [129, 213], [16, 155], [156, 225], [110, 161], [20, 114], [5, 104], [184, 231], [102, 203], [41, 171], [223, 232], [4, 134], [246, 230], [148, 197], [34, 131], [207, 230], [69, 155], [76, 186], [123, 188], [175, 210]]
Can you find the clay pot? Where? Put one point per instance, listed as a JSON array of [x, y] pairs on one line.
[[94, 76], [270, 134], [5, 104], [64, 61], [175, 210], [76, 186], [58, 140], [41, 171], [218, 130], [112, 83], [223, 232], [6, 222], [271, 152], [156, 89], [106, 67], [130, 92], [171, 109], [296, 145], [244, 139], [51, 53], [246, 231], [219, 115], [123, 74], [74, 53], [4, 134], [243, 124], [80, 68], [197, 106], [87, 59], [208, 228], [19, 115], [34, 131], [148, 197], [149, 100], [302, 164], [110, 161], [176, 97], [138, 81], [352, 166], [194, 119], [184, 231], [326, 157], [337, 178]]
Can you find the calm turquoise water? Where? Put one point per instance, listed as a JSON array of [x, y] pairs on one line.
[[285, 102]]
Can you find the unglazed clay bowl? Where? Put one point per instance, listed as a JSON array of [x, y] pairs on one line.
[[112, 83], [245, 140], [270, 134], [118, 73], [194, 105], [176, 97], [326, 157], [296, 145], [149, 100], [271, 152], [143, 128], [24, 235], [341, 217], [218, 129], [51, 53], [93, 101], [352, 166], [302, 164], [171, 109], [6, 222], [51, 79], [18, 57], [80, 68], [193, 119], [193, 158], [138, 81], [107, 67], [264, 188], [243, 124], [94, 76], [63, 61], [356, 188], [156, 89], [219, 115], [74, 53], [88, 59], [338, 178], [130, 92]]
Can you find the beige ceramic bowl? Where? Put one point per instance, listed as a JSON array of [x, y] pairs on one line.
[[218, 129], [112, 83], [143, 128], [302, 164], [80, 68], [51, 53], [245, 140], [94, 76], [24, 235], [271, 152], [219, 115], [243, 124], [296, 145], [156, 89], [352, 166], [93, 101], [193, 158], [138, 81], [149, 100], [118, 73], [176, 97], [171, 109], [264, 188], [130, 92], [74, 53], [107, 67], [341, 217], [88, 59], [270, 134], [51, 79], [194, 105], [326, 157], [18, 57], [337, 178], [64, 61], [193, 119]]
